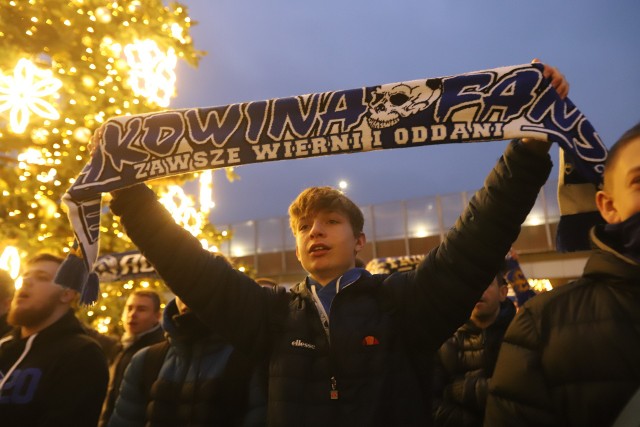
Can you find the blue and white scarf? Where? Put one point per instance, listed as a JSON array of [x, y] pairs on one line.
[[497, 104]]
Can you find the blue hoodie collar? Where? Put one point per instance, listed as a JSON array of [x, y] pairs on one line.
[[327, 293]]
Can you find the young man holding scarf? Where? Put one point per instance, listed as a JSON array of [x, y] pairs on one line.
[[570, 356], [346, 347]]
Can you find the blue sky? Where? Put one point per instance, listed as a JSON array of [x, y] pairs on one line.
[[269, 49]]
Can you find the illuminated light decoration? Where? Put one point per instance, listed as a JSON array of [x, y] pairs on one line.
[[421, 232], [178, 33], [82, 134], [182, 209], [47, 176], [134, 7], [48, 208], [31, 156], [152, 73], [206, 190], [238, 252], [22, 93], [103, 15], [204, 243], [102, 324], [10, 261], [88, 81], [540, 285], [533, 220], [40, 135]]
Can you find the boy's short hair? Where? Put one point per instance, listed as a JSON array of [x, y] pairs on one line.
[[614, 151], [7, 285], [317, 199], [153, 295]]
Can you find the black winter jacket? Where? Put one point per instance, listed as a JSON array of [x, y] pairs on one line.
[[571, 356], [61, 381], [384, 329], [118, 367], [463, 369]]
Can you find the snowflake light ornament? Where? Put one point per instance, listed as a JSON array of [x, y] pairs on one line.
[[22, 94], [152, 72]]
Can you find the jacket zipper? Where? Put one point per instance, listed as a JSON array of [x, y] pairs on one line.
[[324, 319]]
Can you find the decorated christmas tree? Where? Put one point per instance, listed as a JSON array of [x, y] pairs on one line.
[[66, 67]]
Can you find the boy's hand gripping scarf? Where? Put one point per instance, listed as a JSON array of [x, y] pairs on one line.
[[497, 104]]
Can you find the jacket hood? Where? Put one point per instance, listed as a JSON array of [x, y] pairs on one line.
[[608, 260]]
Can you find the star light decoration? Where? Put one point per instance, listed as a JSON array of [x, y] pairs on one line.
[[152, 73], [24, 93]]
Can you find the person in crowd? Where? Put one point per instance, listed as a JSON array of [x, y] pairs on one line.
[[141, 321], [465, 362], [345, 347], [193, 378], [570, 356], [7, 289], [51, 372]]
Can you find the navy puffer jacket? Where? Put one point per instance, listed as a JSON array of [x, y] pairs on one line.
[[202, 382]]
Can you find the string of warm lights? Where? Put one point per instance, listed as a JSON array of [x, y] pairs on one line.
[[540, 285]]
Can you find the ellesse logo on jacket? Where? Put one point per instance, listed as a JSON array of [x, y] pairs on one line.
[[300, 343]]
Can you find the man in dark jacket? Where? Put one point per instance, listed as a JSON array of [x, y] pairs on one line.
[[465, 362], [346, 347], [51, 372], [570, 356], [198, 379], [141, 320]]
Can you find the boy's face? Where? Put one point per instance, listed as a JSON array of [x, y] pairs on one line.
[[620, 198], [326, 246]]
